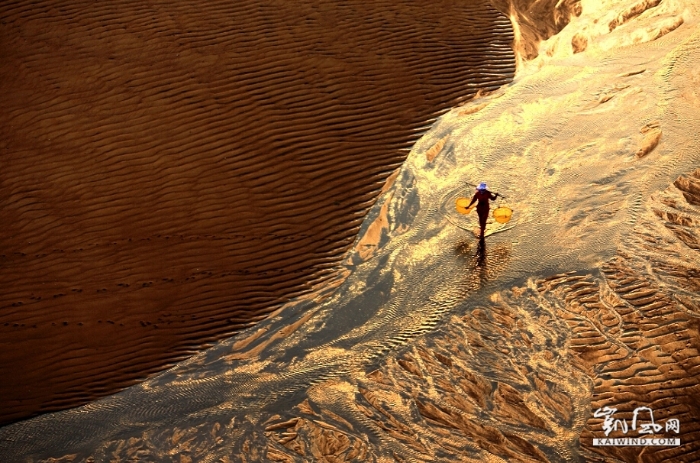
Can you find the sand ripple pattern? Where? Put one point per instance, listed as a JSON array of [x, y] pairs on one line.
[[516, 377], [636, 326], [174, 171], [511, 379], [434, 348]]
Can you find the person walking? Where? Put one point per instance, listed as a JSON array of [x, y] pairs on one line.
[[482, 195]]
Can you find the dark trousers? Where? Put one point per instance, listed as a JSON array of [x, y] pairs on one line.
[[483, 215]]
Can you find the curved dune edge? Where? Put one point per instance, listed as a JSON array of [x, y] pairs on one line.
[[539, 331], [175, 172]]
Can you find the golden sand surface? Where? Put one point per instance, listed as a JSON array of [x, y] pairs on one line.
[[433, 347], [172, 172]]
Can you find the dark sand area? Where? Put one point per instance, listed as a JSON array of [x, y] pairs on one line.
[[172, 172]]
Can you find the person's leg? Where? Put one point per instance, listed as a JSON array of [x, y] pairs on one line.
[[483, 215]]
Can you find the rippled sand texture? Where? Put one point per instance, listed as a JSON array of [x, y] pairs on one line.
[[436, 349], [535, 21], [174, 171]]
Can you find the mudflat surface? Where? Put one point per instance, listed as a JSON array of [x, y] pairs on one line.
[[173, 172]]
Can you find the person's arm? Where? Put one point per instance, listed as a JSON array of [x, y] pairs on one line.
[[473, 200], [494, 196]]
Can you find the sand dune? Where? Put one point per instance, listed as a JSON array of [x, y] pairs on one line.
[[430, 346], [173, 172]]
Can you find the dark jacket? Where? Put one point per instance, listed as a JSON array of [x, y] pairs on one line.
[[483, 196]]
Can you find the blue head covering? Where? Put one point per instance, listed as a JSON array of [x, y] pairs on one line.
[[482, 186]]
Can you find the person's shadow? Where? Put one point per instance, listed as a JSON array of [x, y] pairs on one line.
[[477, 261], [482, 266], [480, 259], [481, 253]]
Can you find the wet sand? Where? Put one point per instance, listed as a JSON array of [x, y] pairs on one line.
[[173, 172]]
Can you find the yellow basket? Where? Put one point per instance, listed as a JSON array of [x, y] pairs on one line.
[[462, 204], [502, 214]]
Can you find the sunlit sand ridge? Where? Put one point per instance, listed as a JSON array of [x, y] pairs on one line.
[[432, 351]]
